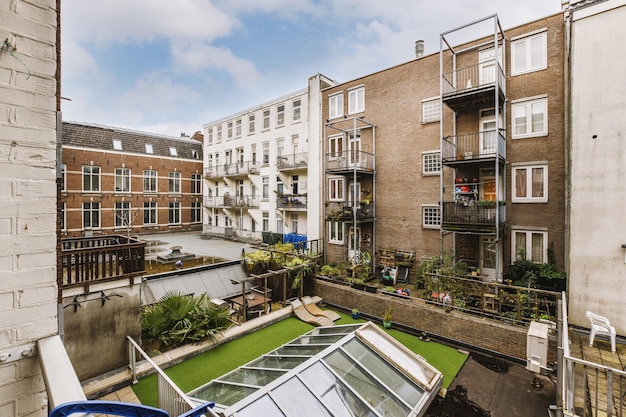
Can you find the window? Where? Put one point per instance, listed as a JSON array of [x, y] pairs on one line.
[[251, 124], [295, 110], [63, 177], [530, 184], [149, 148], [431, 110], [266, 221], [529, 54], [279, 226], [356, 100], [91, 179], [266, 119], [150, 213], [63, 216], [219, 133], [335, 146], [117, 144], [91, 215], [210, 136], [280, 115], [196, 212], [122, 180], [530, 118], [238, 128], [174, 212], [530, 245], [196, 184], [336, 189], [173, 151], [294, 222], [335, 232], [266, 152], [335, 106], [195, 154], [122, 214], [431, 216], [229, 130], [174, 183], [150, 181], [431, 163], [266, 187], [280, 148]]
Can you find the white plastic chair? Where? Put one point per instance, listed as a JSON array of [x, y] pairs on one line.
[[601, 325]]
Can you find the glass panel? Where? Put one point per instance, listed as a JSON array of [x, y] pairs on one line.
[[538, 110], [520, 56], [520, 119], [265, 403], [537, 182], [520, 245], [278, 362], [253, 376], [520, 183], [312, 339], [537, 249], [336, 397], [224, 394], [299, 350], [384, 371], [294, 397], [383, 400], [489, 254], [537, 46]]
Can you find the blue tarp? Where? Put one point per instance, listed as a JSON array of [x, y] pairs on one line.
[[295, 239]]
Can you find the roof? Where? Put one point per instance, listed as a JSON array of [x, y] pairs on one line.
[[99, 137], [348, 370]]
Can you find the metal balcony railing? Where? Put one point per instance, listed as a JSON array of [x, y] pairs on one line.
[[461, 215], [474, 146], [235, 169], [474, 77], [293, 161], [291, 201], [235, 201], [349, 160], [90, 259], [343, 210]]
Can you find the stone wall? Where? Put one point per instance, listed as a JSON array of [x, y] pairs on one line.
[[460, 328]]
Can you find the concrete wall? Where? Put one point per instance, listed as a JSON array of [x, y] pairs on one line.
[[597, 264], [463, 328], [28, 309], [96, 325]]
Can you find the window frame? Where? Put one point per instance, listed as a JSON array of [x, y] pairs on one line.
[[173, 151], [237, 128], [337, 192], [196, 212], [529, 244], [121, 212], [335, 105], [151, 208], [196, 183], [335, 232], [265, 188], [280, 115], [174, 181], [426, 163], [356, 100], [296, 110], [117, 145], [526, 39], [122, 175], [92, 176], [529, 184], [251, 123], [94, 207], [149, 148], [527, 104], [173, 212], [433, 116], [151, 178], [265, 152], [266, 119], [430, 220]]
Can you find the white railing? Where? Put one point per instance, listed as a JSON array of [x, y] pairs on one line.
[[171, 398]]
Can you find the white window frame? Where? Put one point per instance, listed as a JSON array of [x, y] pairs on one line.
[[149, 148], [431, 110], [528, 168], [280, 115], [210, 136], [251, 124], [238, 128], [356, 100], [431, 163], [336, 146], [173, 151], [526, 42], [196, 212], [150, 181], [122, 214], [63, 177], [122, 181], [195, 154], [265, 190], [174, 182], [117, 144], [266, 152], [93, 207], [338, 191], [431, 216], [527, 106], [266, 119], [173, 213], [296, 110], [219, 134], [335, 105], [151, 208], [64, 217], [196, 183], [91, 172], [335, 232], [265, 221], [229, 130], [528, 250]]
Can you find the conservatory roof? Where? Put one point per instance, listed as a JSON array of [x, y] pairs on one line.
[[349, 370]]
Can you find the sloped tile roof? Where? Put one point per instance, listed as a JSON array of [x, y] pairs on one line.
[[101, 137]]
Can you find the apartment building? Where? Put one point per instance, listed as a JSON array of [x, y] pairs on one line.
[[452, 151], [258, 168], [117, 180]]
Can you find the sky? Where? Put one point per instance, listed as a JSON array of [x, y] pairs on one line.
[[169, 67]]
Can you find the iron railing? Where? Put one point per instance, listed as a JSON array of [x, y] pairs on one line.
[[473, 77], [293, 161], [474, 146], [291, 201], [342, 161], [472, 213], [234, 169]]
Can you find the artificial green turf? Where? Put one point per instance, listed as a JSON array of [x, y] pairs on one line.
[[216, 362]]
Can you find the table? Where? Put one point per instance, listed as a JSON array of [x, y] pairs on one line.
[[253, 299]]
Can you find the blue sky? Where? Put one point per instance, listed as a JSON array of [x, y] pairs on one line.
[[172, 66]]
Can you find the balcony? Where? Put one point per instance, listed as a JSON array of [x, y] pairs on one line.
[[472, 218], [471, 147], [293, 162], [343, 211], [473, 86], [291, 201], [95, 259], [233, 170], [348, 161], [236, 201]]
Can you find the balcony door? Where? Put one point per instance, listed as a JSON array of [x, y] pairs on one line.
[[490, 257], [354, 148], [352, 249], [487, 69]]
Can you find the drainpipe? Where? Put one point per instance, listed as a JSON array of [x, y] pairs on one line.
[[354, 196]]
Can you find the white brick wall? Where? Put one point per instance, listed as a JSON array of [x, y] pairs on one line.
[[28, 309]]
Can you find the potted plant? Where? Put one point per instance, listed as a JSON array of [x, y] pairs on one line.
[[387, 318], [355, 313]]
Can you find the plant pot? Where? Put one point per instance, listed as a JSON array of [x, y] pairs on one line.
[[355, 315], [387, 324]]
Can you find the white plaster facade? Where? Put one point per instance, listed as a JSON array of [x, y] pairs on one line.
[[597, 231], [262, 168], [28, 124]]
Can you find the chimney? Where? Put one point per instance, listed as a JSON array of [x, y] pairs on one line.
[[419, 48]]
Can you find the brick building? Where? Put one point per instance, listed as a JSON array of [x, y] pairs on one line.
[[122, 181], [453, 150]]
